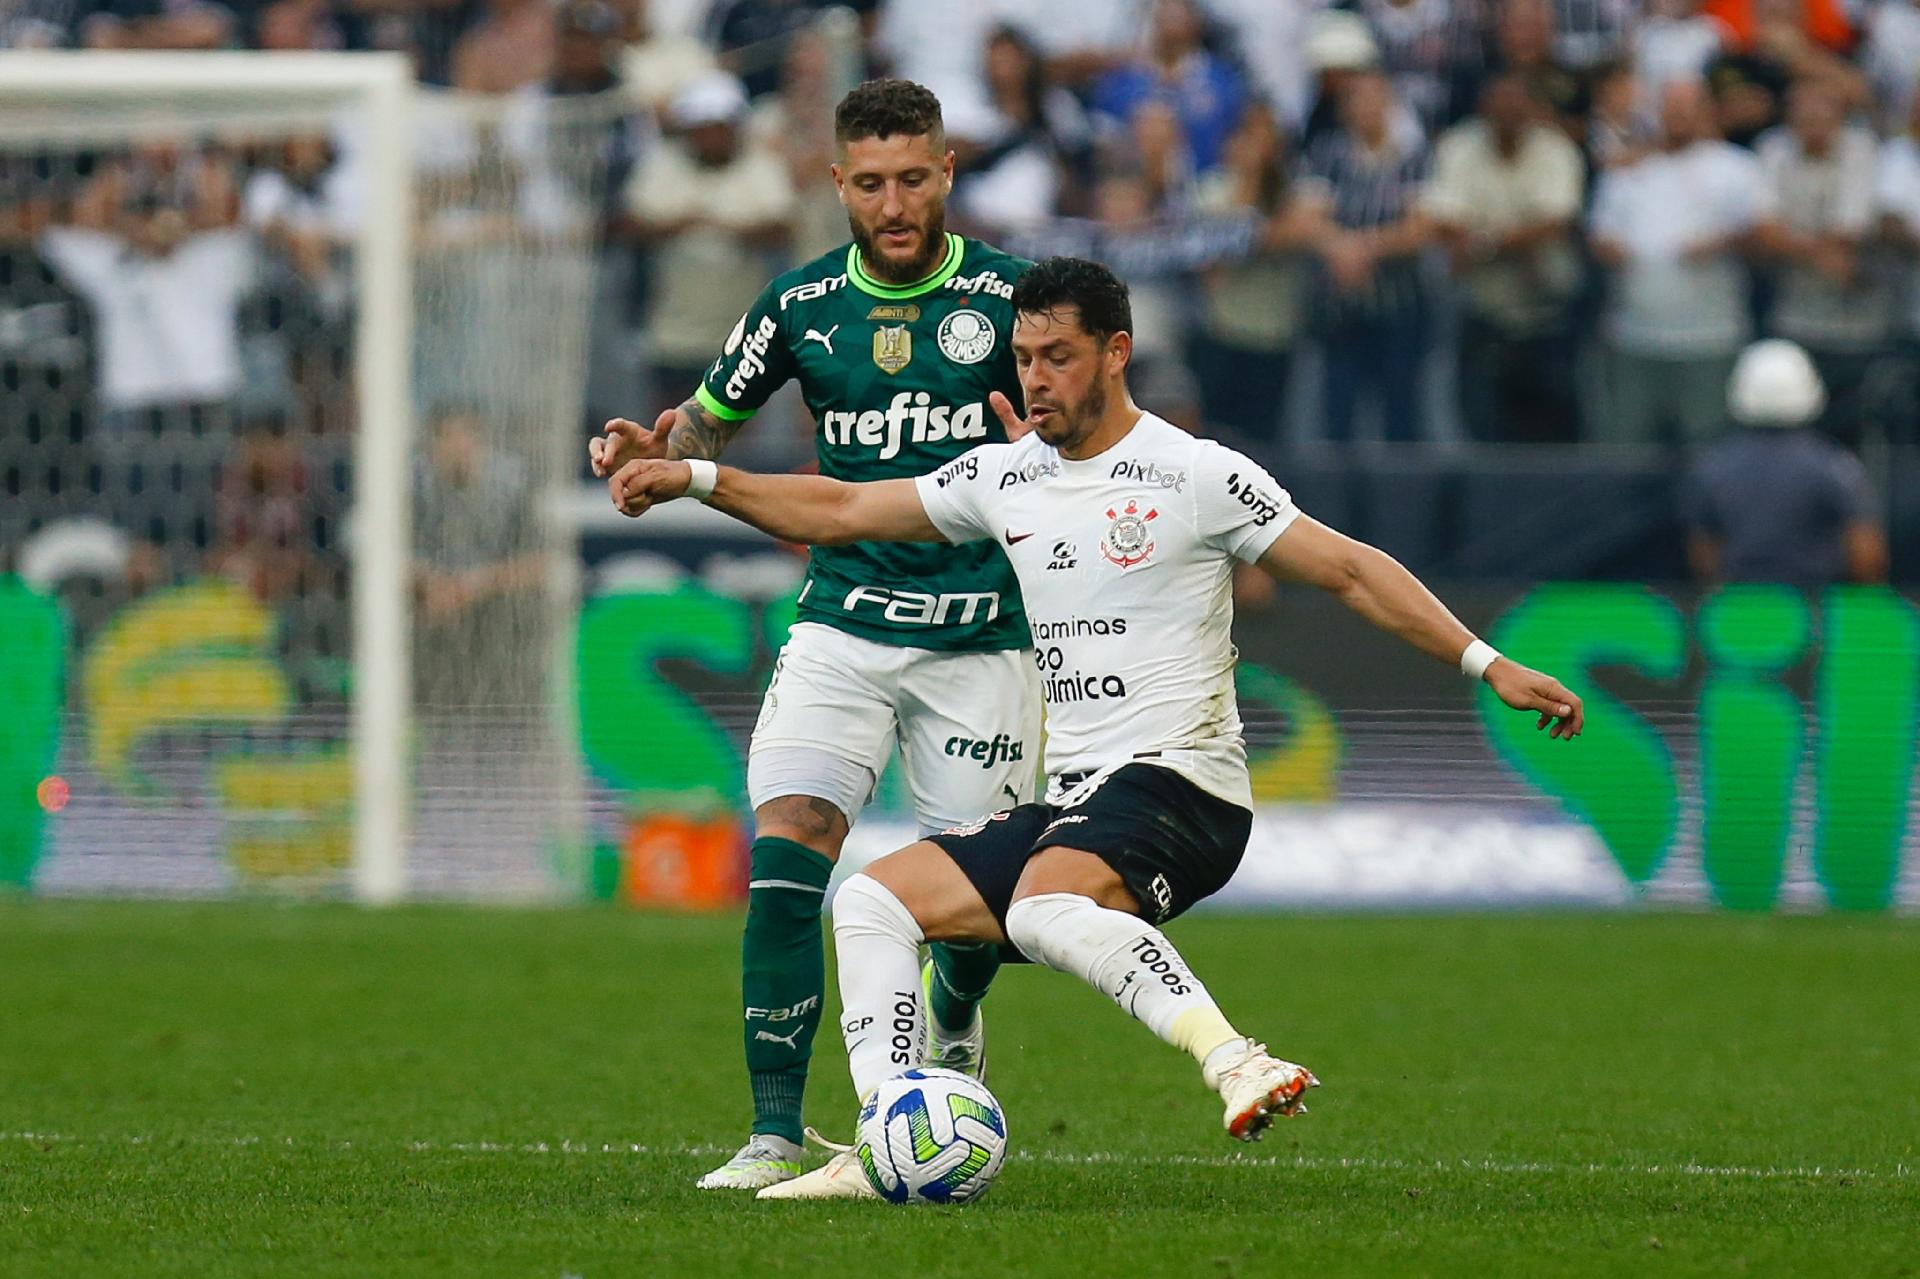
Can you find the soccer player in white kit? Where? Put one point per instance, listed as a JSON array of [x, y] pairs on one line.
[[1123, 531]]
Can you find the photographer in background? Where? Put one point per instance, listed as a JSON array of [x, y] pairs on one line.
[[1774, 501]]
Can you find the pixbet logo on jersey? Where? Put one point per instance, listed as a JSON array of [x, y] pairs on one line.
[[1129, 540], [912, 417]]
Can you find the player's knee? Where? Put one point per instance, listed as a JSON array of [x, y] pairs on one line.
[[806, 820], [865, 905], [1032, 922]]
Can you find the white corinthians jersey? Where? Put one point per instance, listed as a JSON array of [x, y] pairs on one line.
[[1126, 564]]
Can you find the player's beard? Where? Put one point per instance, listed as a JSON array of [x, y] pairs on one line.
[[1068, 428], [933, 244]]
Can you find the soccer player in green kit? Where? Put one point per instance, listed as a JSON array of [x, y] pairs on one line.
[[898, 340]]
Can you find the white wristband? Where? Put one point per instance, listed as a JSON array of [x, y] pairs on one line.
[[1479, 656], [705, 476]]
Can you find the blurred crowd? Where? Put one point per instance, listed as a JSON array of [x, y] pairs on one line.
[[1493, 221]]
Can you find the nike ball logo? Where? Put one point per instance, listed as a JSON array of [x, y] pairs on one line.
[[1013, 537]]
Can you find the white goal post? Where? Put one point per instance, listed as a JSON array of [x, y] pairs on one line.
[[80, 96]]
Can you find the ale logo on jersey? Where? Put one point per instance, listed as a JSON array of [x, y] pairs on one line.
[[966, 336], [1129, 538], [892, 347]]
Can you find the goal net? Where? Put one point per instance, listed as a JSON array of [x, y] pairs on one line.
[[293, 363]]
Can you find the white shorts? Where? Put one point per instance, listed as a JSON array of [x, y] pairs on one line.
[[967, 725]]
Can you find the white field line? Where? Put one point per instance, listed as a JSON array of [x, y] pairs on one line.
[[1305, 1163]]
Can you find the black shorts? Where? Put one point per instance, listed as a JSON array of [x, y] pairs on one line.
[[1171, 843]]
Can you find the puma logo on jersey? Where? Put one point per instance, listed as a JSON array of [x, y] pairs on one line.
[[824, 339], [790, 1041], [912, 418]]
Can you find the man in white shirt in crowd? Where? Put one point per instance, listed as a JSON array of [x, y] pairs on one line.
[[1833, 294], [1505, 192], [1124, 531], [1675, 231], [709, 201]]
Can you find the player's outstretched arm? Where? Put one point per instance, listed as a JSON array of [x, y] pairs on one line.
[[795, 508], [1376, 586], [688, 431]]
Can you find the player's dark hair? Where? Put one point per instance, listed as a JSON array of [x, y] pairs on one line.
[[882, 108], [1098, 295]]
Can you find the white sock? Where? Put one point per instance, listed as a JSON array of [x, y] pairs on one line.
[[1128, 960], [876, 942]]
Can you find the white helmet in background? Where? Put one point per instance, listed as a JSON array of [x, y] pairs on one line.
[[1774, 383]]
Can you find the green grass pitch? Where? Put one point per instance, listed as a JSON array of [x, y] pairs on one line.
[[255, 1089]]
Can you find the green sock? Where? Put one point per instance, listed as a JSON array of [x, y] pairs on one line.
[[782, 977], [962, 971]]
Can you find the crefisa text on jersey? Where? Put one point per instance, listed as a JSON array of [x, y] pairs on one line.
[[930, 423]]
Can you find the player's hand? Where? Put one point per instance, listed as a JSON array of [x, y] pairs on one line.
[[1526, 689], [1016, 425], [645, 482], [626, 441]]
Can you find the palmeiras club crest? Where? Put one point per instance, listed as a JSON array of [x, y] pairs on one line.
[[1129, 540]]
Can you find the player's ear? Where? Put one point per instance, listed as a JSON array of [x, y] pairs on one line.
[[839, 181], [1119, 353], [946, 175]]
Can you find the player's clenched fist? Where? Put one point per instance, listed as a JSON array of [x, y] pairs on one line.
[[626, 441], [639, 484], [1526, 689]]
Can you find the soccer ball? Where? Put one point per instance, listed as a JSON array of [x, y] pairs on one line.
[[931, 1136]]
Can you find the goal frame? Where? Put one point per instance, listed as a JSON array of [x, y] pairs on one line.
[[378, 86]]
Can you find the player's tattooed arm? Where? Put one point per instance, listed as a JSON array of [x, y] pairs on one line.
[[688, 431], [696, 432]]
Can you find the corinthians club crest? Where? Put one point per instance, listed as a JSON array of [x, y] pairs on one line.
[[892, 347], [1129, 540]]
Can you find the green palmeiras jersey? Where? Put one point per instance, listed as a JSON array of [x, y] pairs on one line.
[[897, 378]]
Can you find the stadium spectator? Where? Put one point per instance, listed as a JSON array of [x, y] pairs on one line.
[[1523, 45], [1897, 196], [472, 572], [1370, 301], [510, 47], [1677, 40], [941, 45], [546, 139], [152, 247], [657, 63], [1773, 50], [1616, 130], [1177, 69], [1591, 33], [1505, 195], [1082, 39], [157, 24], [1340, 46], [1029, 154], [1420, 46], [1889, 58], [1674, 231], [265, 513], [705, 201], [752, 37], [1832, 293], [1272, 39], [1251, 311], [797, 124], [1774, 501]]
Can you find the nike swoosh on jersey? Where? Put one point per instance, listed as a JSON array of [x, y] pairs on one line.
[[1013, 537]]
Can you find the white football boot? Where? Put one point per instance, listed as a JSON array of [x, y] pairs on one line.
[[841, 1177], [764, 1161], [965, 1052], [1258, 1089]]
